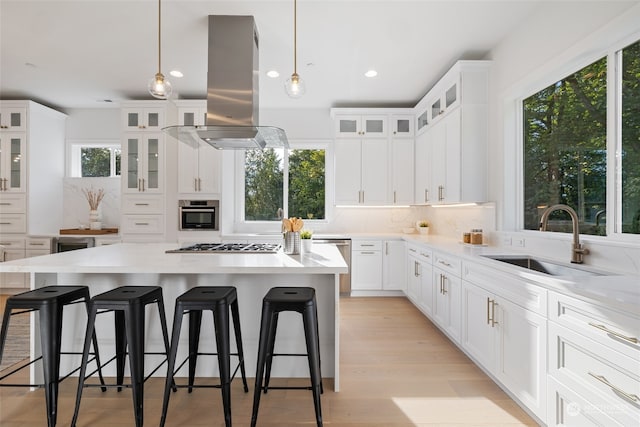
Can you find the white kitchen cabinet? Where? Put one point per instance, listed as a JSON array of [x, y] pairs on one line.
[[420, 279], [423, 168], [143, 118], [458, 135], [13, 119], [361, 170], [143, 163], [402, 125], [199, 168], [394, 272], [360, 126], [505, 338], [32, 147], [402, 176], [446, 301], [13, 248], [366, 265], [13, 162], [594, 352]]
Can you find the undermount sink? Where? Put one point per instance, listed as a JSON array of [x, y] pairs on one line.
[[542, 266]]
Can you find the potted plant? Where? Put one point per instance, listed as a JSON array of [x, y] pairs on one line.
[[305, 236], [423, 227]]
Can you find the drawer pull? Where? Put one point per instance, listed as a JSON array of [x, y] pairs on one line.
[[368, 245], [142, 204], [617, 334], [603, 380], [444, 263], [142, 223], [36, 244]]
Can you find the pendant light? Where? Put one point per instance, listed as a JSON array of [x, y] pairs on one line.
[[159, 87], [295, 85]]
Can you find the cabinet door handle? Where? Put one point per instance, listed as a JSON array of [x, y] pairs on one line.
[[195, 184], [444, 284], [143, 184], [199, 184], [603, 380], [386, 248], [493, 313], [614, 333], [426, 195], [488, 306], [440, 193]]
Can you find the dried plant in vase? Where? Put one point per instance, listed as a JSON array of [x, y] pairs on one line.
[[94, 197]]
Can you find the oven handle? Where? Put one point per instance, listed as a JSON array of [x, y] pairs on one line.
[[207, 209]]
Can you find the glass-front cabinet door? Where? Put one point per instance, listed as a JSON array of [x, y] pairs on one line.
[[13, 119], [12, 162], [144, 164], [136, 119], [349, 126], [402, 125]]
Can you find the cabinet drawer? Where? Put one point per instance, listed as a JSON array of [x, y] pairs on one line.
[[568, 409], [620, 331], [367, 245], [12, 242], [143, 224], [13, 203], [597, 372], [423, 254], [447, 263], [142, 205], [527, 295], [38, 243], [13, 223]]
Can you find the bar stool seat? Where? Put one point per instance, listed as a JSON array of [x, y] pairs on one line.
[[128, 303], [49, 301], [220, 300], [277, 300]]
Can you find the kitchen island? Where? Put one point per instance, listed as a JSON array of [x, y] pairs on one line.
[[253, 274]]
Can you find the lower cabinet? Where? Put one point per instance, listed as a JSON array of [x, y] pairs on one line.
[[446, 300], [17, 248], [378, 266], [420, 278], [594, 364], [508, 340]]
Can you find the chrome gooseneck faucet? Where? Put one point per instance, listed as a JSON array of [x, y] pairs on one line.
[[579, 251]]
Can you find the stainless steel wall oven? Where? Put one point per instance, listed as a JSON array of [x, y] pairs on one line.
[[198, 214]]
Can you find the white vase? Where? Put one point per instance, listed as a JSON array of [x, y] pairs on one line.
[[423, 230], [306, 245], [94, 220]]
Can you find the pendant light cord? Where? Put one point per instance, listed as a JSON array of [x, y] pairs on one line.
[[159, 40], [295, 41]]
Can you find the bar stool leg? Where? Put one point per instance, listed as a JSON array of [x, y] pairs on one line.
[[94, 340], [195, 322], [50, 333], [271, 345], [5, 328], [171, 363], [235, 314], [134, 319], [313, 350], [265, 326], [85, 357], [221, 321], [121, 346]]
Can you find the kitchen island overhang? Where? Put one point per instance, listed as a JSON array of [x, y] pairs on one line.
[[106, 267]]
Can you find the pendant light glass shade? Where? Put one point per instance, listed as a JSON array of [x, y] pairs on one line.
[[159, 87], [294, 86]]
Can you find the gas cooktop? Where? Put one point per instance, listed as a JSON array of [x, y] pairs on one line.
[[246, 248]]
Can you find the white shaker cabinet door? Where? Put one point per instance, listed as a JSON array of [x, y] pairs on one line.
[[348, 171]]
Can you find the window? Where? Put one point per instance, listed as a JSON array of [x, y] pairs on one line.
[[565, 148], [273, 176], [95, 160]]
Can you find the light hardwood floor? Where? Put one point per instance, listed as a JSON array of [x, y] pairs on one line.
[[397, 370]]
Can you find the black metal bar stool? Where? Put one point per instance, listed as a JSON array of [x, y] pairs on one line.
[[49, 301], [128, 304], [303, 301], [219, 300]]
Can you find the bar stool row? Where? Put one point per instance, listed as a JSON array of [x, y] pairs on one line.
[[128, 303]]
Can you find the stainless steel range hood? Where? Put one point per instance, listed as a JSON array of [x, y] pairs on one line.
[[232, 91]]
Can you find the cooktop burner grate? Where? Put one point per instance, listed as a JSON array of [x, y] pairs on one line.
[[265, 248]]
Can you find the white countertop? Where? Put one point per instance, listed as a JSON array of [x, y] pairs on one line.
[[621, 291], [151, 258]]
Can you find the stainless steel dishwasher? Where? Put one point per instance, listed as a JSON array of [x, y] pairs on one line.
[[344, 246]]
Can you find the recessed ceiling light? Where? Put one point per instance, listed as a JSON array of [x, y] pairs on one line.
[[176, 73], [273, 74], [371, 73]]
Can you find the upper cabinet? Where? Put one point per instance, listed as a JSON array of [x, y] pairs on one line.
[[13, 119], [373, 156], [199, 168], [12, 162], [143, 118], [360, 126], [452, 141], [143, 163]]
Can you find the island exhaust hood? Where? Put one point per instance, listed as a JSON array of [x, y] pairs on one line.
[[232, 91]]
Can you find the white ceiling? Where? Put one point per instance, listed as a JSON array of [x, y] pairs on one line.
[[78, 53]]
